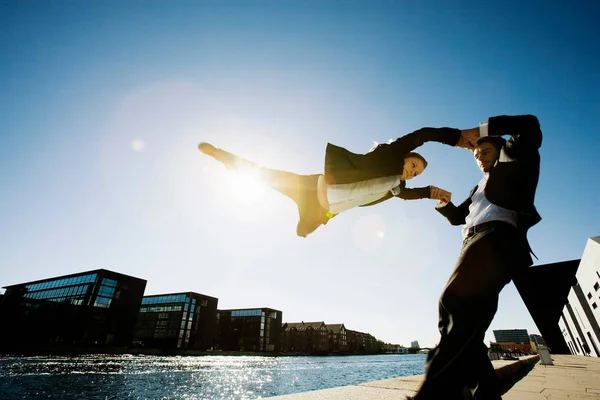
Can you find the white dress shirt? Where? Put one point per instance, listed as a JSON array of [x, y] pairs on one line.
[[481, 210], [346, 196]]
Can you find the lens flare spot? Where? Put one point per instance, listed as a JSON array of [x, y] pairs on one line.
[[138, 145], [368, 232]]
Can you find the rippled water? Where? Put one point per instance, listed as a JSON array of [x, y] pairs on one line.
[[205, 377]]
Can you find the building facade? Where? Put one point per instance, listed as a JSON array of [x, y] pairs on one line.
[[252, 329], [580, 318], [338, 338], [305, 337], [362, 343], [537, 340], [88, 309], [512, 347], [177, 321], [512, 336]]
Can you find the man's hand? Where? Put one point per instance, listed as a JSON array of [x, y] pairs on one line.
[[439, 194], [468, 139]]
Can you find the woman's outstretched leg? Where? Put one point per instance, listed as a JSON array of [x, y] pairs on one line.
[[302, 189]]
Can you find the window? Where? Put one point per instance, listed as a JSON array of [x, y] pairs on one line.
[[597, 286], [102, 302], [594, 306], [109, 282], [589, 295], [164, 299], [246, 313]]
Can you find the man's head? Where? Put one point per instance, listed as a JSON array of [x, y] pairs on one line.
[[487, 152], [414, 165]]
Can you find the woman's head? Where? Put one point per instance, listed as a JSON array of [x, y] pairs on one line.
[[414, 165]]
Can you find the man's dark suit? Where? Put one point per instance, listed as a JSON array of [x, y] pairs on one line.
[[488, 261]]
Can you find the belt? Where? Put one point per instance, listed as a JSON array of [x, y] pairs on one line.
[[486, 225]]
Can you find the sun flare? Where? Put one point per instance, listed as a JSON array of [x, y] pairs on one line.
[[246, 185]]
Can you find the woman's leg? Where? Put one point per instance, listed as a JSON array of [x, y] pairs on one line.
[[302, 189]]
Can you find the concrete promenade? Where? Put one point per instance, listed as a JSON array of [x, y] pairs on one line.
[[571, 377]]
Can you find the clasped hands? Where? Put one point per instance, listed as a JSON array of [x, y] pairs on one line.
[[468, 140]]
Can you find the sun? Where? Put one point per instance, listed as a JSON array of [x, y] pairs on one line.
[[245, 185]]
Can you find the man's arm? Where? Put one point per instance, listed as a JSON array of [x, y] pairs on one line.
[[524, 130], [455, 214]]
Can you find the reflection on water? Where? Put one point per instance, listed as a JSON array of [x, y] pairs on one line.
[[206, 377]]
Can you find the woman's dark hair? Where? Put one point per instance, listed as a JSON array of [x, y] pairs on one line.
[[416, 155]]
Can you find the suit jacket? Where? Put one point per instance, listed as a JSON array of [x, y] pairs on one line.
[[387, 159], [513, 180]]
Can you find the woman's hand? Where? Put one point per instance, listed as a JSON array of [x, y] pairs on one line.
[[468, 139], [440, 194]]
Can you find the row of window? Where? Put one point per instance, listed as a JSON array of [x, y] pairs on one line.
[[67, 300], [76, 280], [172, 298], [54, 293], [160, 308], [246, 313], [589, 295]]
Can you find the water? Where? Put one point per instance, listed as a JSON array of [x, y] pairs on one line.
[[206, 377]]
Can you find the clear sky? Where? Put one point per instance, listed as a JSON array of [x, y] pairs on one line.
[[102, 105]]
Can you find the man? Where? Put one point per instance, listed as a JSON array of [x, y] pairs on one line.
[[496, 217]]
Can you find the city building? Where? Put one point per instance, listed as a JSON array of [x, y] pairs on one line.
[[88, 309], [338, 338], [253, 329], [305, 337], [512, 341], [580, 319], [512, 336], [536, 340], [398, 348], [512, 347], [362, 343], [184, 321], [415, 345]]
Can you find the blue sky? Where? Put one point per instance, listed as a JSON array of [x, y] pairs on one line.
[[103, 104]]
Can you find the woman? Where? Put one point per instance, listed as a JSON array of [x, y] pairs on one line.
[[352, 180]]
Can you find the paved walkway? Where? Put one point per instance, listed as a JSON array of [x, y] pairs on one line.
[[571, 377]]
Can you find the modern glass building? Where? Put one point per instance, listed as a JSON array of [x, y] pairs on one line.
[[512, 336], [177, 321], [252, 329], [94, 308]]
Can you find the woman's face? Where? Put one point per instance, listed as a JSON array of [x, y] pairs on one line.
[[413, 166]]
